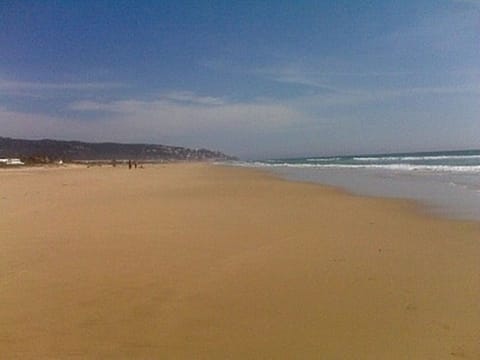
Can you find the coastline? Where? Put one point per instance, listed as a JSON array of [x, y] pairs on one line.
[[434, 197], [196, 260]]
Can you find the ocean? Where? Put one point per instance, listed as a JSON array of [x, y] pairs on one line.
[[447, 183]]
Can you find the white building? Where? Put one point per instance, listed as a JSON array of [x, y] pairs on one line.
[[11, 162]]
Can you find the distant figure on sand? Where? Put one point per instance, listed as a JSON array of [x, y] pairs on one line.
[[129, 164], [135, 164]]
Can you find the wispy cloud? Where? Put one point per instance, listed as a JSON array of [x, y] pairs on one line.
[[322, 79], [295, 77], [346, 88], [176, 112], [28, 88], [188, 97]]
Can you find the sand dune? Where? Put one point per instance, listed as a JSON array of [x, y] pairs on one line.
[[204, 262]]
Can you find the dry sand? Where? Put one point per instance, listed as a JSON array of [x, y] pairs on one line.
[[205, 262]]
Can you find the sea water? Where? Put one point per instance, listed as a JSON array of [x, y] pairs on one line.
[[447, 182]]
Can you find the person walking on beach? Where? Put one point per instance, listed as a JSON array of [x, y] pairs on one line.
[[129, 164]]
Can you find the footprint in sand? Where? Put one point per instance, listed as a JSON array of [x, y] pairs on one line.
[[410, 307], [458, 352]]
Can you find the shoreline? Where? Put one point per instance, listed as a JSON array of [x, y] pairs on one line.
[[421, 208], [428, 204], [206, 261]]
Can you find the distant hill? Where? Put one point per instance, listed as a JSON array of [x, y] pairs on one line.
[[33, 151]]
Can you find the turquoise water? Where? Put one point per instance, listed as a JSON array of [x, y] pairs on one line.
[[446, 182]]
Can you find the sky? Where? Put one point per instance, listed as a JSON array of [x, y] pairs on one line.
[[255, 79]]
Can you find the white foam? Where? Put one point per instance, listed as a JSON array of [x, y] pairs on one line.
[[475, 169], [416, 158]]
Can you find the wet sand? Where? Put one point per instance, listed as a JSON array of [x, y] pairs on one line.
[[195, 261]]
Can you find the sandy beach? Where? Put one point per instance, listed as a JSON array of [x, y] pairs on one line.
[[195, 261]]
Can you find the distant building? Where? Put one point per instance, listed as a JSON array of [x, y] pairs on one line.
[[11, 162]]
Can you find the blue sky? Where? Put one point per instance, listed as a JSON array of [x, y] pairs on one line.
[[251, 78]]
